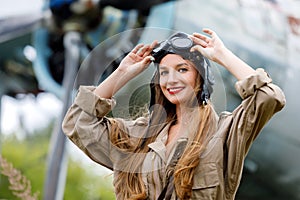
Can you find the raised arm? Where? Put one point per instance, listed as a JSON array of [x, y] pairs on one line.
[[213, 48], [133, 64]]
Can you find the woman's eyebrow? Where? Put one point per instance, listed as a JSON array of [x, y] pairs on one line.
[[162, 67], [178, 65], [182, 64]]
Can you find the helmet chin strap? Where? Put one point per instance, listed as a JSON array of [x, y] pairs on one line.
[[208, 82]]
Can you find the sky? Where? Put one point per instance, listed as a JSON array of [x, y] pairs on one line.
[[33, 112], [36, 112], [13, 7]]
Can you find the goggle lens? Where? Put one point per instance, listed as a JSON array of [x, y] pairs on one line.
[[182, 43]]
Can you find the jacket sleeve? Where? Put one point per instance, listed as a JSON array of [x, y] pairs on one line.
[[87, 127], [261, 99]]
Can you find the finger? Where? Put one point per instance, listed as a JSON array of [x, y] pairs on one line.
[[201, 37], [198, 48], [137, 48], [153, 44], [147, 51], [146, 61], [210, 32], [144, 50], [199, 41]]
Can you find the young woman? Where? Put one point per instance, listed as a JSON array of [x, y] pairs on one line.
[[183, 150]]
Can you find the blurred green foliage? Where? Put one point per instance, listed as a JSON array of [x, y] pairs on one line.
[[29, 155]]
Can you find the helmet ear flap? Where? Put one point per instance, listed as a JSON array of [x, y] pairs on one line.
[[209, 74], [208, 82], [205, 93]]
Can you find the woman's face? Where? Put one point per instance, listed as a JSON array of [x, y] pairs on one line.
[[177, 79]]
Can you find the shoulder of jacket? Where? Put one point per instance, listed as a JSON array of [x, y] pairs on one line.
[[141, 121]]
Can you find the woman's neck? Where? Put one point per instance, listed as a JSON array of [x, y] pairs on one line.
[[183, 114], [184, 120]]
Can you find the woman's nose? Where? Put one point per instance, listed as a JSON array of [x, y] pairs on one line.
[[172, 77]]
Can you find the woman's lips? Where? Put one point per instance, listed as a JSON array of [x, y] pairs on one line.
[[175, 90]]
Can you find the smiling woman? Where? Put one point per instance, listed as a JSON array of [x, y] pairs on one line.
[[182, 149]]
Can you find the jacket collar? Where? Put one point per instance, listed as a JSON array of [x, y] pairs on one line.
[[159, 145]]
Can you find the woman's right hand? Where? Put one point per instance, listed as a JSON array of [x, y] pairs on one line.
[[133, 64], [137, 60]]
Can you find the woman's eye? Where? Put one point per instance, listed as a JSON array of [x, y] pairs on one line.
[[163, 73], [182, 70]]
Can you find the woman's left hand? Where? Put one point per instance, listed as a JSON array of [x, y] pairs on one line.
[[210, 46]]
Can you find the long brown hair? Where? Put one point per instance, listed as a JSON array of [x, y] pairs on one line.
[[128, 182]]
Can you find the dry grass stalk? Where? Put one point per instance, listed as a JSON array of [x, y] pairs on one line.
[[19, 184]]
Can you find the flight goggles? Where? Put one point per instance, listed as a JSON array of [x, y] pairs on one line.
[[179, 43]]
